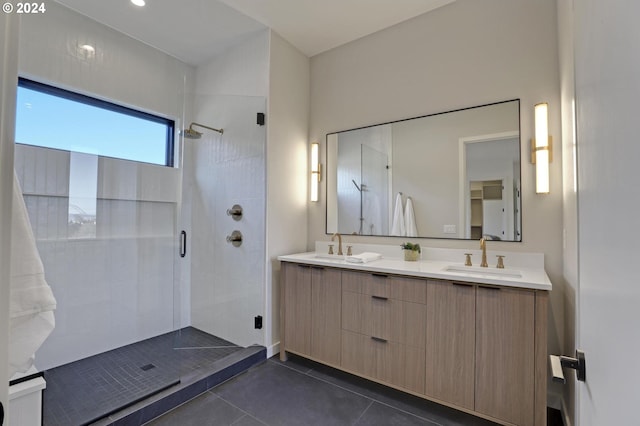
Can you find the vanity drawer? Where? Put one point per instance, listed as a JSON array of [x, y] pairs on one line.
[[386, 286], [380, 359], [390, 319]]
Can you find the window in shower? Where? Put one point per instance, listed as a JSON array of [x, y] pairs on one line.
[[51, 117]]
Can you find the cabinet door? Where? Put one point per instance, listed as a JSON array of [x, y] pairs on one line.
[[297, 307], [450, 350], [505, 354], [326, 297]]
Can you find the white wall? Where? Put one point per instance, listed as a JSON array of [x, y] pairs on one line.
[[463, 54], [228, 283], [9, 26], [287, 159]]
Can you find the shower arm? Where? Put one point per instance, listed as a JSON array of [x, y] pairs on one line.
[[221, 131]]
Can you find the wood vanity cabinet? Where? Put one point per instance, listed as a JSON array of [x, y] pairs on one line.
[[312, 316], [451, 342], [505, 354], [479, 348]]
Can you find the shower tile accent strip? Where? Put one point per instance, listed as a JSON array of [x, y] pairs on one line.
[[92, 389]]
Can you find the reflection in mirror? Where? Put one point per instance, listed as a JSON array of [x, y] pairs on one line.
[[448, 175]]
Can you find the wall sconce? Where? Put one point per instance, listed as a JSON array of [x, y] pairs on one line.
[[316, 171], [542, 148]]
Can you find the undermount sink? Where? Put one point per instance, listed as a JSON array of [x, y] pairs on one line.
[[330, 256], [485, 272]]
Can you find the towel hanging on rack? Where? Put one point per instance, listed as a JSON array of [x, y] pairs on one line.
[[410, 219], [398, 226]]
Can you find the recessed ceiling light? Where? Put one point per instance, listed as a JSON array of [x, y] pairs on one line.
[[138, 2], [88, 48]]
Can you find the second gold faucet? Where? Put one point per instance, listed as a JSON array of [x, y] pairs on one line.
[[483, 247], [339, 242]]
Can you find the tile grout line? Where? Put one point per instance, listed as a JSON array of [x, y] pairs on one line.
[[363, 413], [358, 393], [243, 411]]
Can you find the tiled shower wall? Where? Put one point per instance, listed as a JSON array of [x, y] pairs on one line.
[[116, 286]]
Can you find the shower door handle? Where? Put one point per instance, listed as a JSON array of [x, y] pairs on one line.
[[183, 243]]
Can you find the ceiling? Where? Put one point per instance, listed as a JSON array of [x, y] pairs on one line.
[[196, 30]]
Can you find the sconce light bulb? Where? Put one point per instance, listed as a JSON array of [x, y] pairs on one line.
[[542, 141]]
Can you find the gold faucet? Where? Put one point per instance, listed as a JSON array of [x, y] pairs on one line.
[[483, 247], [339, 242]]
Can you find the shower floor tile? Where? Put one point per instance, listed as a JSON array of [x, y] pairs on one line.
[[87, 390]]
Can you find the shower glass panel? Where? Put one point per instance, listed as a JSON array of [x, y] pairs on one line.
[[374, 192], [106, 231], [222, 288]]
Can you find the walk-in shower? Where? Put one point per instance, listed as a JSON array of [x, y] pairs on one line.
[[135, 321]]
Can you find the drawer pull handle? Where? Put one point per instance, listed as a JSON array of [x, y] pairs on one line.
[[317, 267], [380, 275], [463, 284], [304, 266], [378, 339], [486, 287], [379, 298]]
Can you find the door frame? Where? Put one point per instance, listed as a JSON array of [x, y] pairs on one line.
[[9, 28], [463, 187]]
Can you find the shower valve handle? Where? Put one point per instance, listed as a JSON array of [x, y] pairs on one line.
[[235, 212], [235, 238]]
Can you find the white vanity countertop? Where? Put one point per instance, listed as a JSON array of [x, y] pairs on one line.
[[530, 275]]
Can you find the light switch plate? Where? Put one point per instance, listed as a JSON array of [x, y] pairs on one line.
[[449, 229]]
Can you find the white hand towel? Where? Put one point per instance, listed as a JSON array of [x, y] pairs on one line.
[[397, 226], [32, 301], [363, 257], [410, 219]]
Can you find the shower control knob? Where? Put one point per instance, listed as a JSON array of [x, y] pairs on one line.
[[235, 212], [235, 238]]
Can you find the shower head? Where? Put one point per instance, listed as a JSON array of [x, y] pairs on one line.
[[194, 134], [191, 134]]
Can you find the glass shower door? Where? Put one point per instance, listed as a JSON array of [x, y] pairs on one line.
[[222, 273], [374, 192]]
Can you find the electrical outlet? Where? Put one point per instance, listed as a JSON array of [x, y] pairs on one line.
[[449, 229]]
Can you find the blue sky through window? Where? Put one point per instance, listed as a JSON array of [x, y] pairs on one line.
[[56, 122]]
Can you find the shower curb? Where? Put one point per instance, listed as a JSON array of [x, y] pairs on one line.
[[190, 386]]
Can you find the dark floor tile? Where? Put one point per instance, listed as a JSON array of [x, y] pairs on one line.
[[296, 362], [383, 415], [207, 409], [281, 396], [412, 404], [247, 420]]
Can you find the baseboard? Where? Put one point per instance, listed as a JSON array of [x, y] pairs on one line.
[[273, 350]]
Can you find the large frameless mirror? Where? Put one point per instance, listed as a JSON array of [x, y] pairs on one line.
[[453, 175]]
